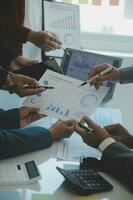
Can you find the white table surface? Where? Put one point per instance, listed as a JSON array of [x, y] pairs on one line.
[[52, 182]]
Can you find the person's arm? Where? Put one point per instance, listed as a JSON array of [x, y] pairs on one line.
[[117, 159], [3, 76], [7, 52], [19, 118], [16, 33], [15, 82], [9, 118], [20, 141], [120, 134], [123, 75], [126, 74]]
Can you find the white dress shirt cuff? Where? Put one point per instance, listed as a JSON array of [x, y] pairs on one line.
[[105, 143]]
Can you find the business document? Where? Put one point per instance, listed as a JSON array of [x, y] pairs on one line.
[[67, 99]]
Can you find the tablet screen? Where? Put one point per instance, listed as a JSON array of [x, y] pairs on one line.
[[79, 63]]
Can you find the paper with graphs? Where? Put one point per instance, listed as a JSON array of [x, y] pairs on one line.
[[67, 99], [63, 19]]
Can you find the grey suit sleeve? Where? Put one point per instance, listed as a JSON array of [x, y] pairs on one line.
[[117, 159], [14, 142], [9, 119], [127, 75]]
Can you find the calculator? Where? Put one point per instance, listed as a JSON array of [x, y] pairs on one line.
[[18, 173], [85, 181]]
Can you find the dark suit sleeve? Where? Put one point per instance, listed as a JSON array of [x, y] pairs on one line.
[[3, 75], [118, 160], [7, 52], [14, 142], [127, 74], [10, 29], [9, 119]]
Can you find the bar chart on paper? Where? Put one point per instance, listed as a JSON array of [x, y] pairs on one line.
[[59, 110], [63, 20], [68, 23]]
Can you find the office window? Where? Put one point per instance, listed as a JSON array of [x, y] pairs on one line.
[[105, 16]]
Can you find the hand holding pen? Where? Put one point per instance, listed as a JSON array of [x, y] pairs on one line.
[[57, 43], [14, 83], [103, 72], [97, 135], [85, 128], [97, 75]]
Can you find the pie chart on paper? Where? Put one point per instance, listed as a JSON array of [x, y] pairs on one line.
[[69, 39], [88, 100]]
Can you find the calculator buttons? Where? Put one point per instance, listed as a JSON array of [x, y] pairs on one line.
[[86, 181]]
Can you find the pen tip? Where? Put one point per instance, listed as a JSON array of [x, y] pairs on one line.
[[82, 84]]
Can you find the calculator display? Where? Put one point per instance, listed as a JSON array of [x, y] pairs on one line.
[[32, 169]]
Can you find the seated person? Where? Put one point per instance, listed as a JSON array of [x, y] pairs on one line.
[[117, 158]]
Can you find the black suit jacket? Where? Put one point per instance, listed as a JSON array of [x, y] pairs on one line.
[[7, 54], [117, 159]]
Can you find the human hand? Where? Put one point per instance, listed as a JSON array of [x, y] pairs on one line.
[[113, 76], [120, 134], [62, 129], [29, 115], [20, 62], [45, 40], [15, 82], [94, 138]]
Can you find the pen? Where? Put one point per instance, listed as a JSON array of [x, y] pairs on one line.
[[87, 129], [62, 47], [109, 69], [27, 86]]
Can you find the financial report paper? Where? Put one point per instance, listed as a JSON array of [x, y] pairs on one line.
[[67, 99]]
